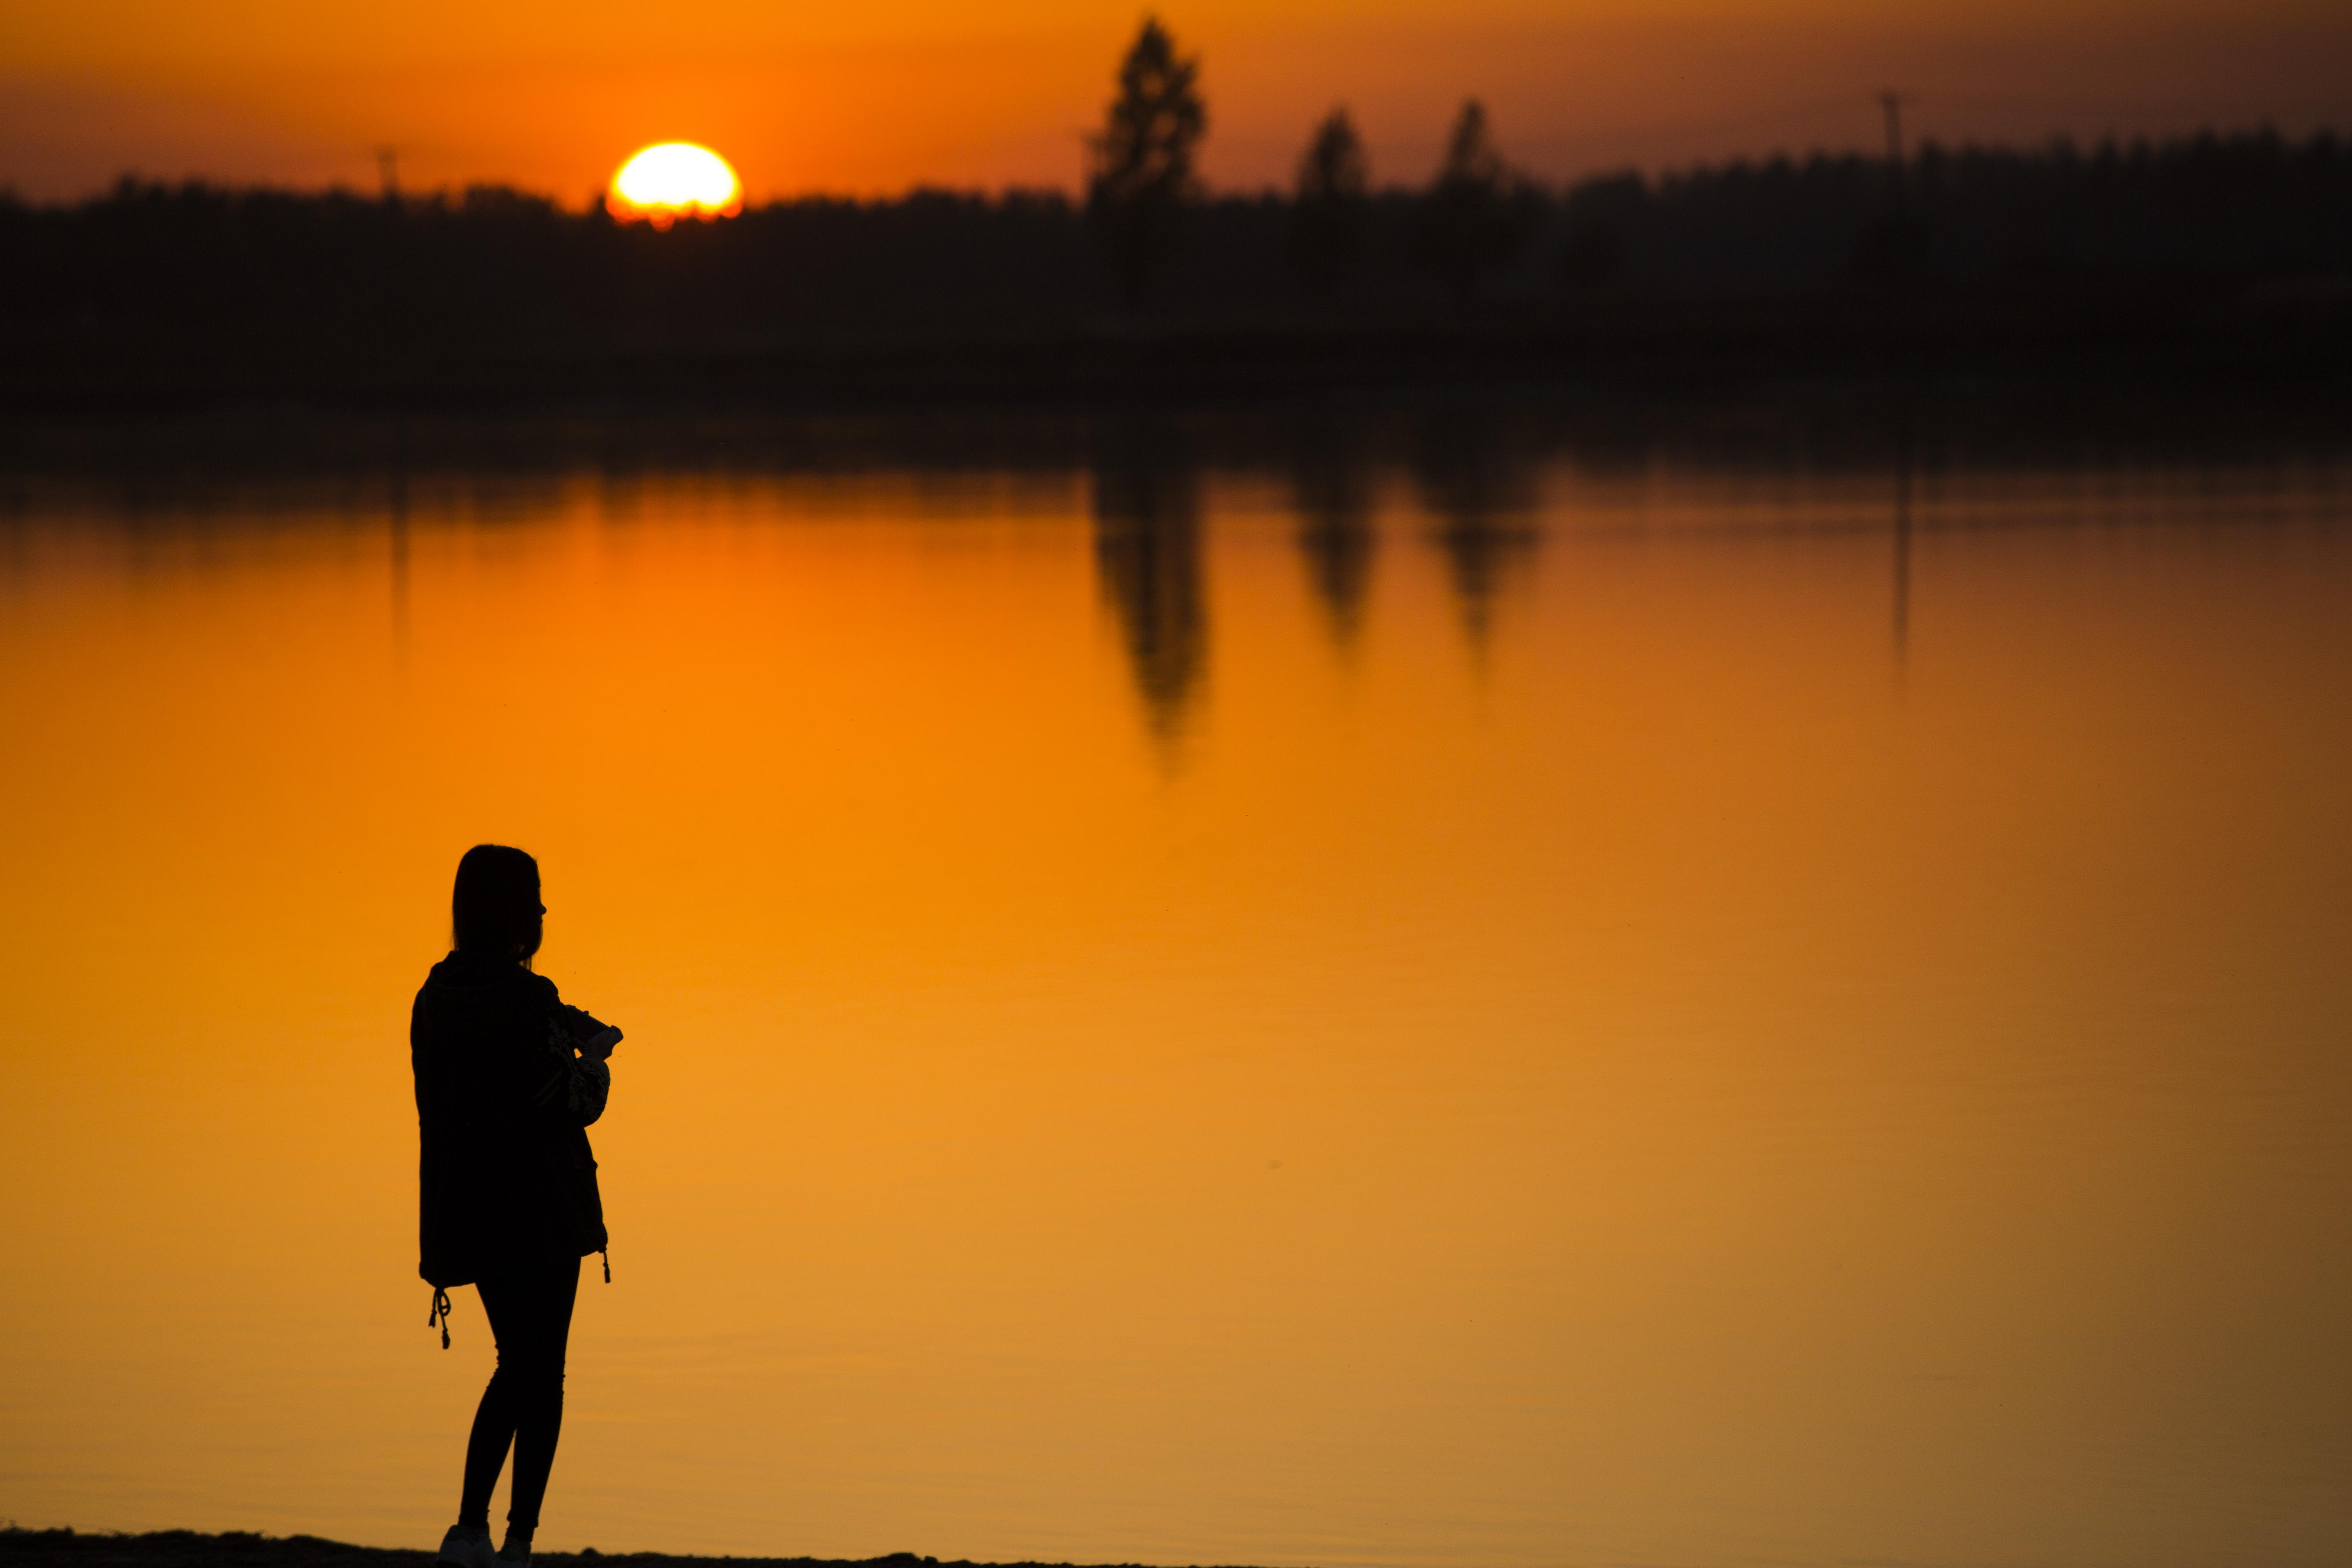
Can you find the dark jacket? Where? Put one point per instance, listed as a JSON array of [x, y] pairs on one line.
[[505, 1175]]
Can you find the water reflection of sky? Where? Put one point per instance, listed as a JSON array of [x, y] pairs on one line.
[[1414, 992]]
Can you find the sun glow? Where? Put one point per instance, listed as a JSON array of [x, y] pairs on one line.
[[671, 180]]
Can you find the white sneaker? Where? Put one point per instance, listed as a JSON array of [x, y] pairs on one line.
[[466, 1547]]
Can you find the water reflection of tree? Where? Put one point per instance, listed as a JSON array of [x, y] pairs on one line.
[[1903, 548], [396, 495], [1332, 491], [1147, 548], [1482, 487]]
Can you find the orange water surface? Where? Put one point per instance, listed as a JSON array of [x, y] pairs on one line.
[[1651, 1014]]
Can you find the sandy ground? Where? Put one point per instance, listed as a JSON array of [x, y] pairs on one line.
[[236, 1549]]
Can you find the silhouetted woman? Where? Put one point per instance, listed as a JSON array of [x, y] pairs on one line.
[[507, 1080]]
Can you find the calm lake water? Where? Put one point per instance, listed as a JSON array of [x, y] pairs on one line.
[[1404, 1004]]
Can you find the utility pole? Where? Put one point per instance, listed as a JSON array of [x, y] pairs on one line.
[[1895, 248], [387, 165]]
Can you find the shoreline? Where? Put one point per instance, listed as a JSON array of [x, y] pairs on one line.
[[67, 1547], [1857, 422], [1655, 351]]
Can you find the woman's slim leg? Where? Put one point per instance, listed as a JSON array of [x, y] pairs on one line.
[[494, 1419], [539, 1395]]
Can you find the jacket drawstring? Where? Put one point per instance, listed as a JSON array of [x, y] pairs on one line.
[[440, 1314], [606, 1254]]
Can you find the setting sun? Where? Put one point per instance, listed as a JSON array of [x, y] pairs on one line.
[[671, 180]]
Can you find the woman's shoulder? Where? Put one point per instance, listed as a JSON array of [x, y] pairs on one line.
[[467, 983]]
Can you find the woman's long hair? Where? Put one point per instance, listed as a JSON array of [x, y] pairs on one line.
[[494, 910]]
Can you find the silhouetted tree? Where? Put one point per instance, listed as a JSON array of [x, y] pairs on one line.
[[133, 287], [1328, 217], [1894, 249], [1594, 220], [1141, 180], [1480, 212]]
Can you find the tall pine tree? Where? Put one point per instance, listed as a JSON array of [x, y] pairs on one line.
[[1142, 181], [1328, 216]]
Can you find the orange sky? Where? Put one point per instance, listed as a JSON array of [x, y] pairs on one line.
[[884, 95]]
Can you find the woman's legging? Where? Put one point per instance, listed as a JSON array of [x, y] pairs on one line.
[[530, 1317]]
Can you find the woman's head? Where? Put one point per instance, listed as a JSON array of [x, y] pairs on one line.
[[494, 910]]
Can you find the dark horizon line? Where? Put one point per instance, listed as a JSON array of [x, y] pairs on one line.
[[2057, 143]]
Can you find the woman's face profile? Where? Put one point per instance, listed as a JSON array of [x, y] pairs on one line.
[[537, 931]]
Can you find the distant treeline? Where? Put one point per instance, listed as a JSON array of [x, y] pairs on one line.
[[2211, 214]]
